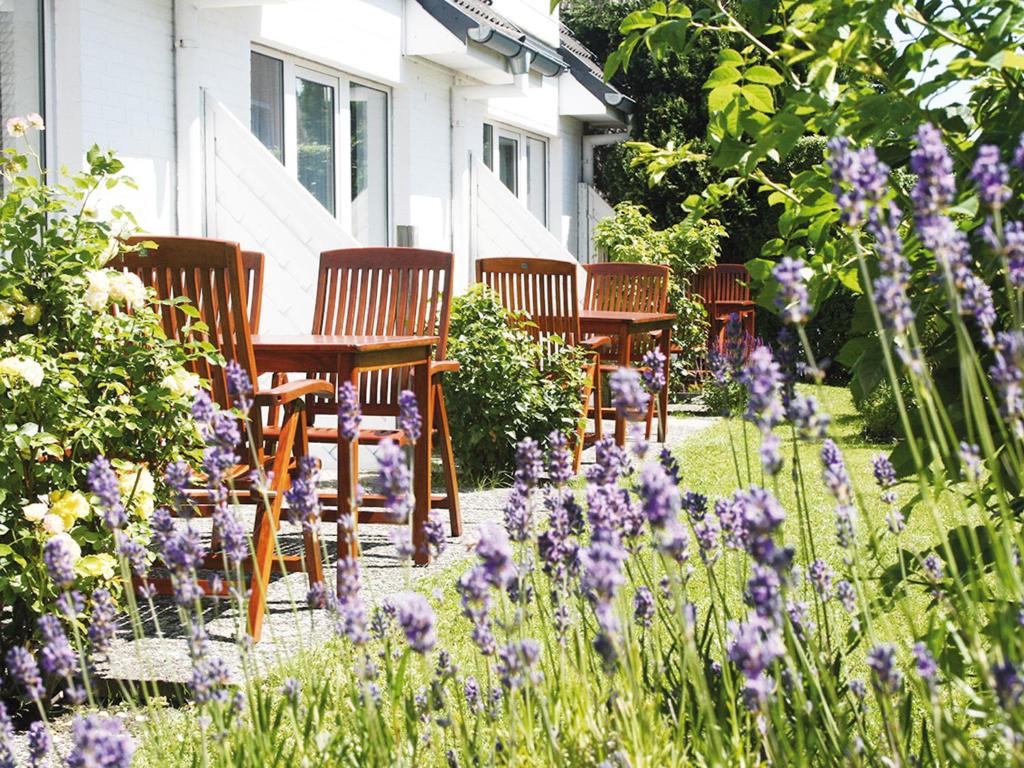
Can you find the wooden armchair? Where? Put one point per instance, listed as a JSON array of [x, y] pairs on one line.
[[627, 287], [545, 290], [209, 273]]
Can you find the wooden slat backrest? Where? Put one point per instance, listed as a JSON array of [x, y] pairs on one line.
[[209, 274], [252, 269], [390, 291], [732, 283], [626, 287], [702, 287], [543, 289]]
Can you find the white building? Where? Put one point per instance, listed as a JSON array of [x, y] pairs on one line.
[[297, 125]]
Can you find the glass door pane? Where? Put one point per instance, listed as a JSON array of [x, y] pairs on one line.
[[489, 145], [315, 122], [267, 99], [21, 67], [537, 179], [508, 163], [368, 110]]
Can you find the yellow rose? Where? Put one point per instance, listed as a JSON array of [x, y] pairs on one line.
[[181, 383], [70, 506], [34, 512], [31, 313], [127, 287], [126, 482], [94, 566], [53, 524]]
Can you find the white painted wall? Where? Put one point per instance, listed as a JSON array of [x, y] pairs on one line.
[[570, 139], [126, 100]]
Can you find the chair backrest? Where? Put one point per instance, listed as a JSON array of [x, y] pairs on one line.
[[209, 274], [626, 287], [252, 270], [732, 283], [383, 291], [543, 289], [702, 288]]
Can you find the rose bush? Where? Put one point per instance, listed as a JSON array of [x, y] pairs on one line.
[[85, 368]]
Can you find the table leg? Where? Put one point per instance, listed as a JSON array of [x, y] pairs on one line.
[[625, 347], [348, 474], [666, 347], [421, 464]]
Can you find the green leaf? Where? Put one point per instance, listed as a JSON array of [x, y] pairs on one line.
[[759, 97], [759, 73], [722, 75], [720, 97]]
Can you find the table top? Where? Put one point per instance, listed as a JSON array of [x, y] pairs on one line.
[[264, 342], [625, 317]]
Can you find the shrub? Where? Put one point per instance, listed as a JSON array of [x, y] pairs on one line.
[[501, 394], [630, 236], [79, 375], [880, 412]]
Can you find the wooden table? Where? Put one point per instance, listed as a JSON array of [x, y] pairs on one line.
[[350, 356], [623, 326]]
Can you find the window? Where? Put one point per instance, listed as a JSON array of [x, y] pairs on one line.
[[21, 67], [309, 118], [267, 95], [521, 162]]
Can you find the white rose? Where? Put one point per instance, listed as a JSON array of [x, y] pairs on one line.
[[126, 287], [24, 368], [98, 292], [35, 512], [127, 483], [17, 126], [181, 383], [7, 312], [31, 314], [35, 120], [53, 524]]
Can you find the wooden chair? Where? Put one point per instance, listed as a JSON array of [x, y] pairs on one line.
[[209, 274], [252, 269], [396, 292], [627, 287], [545, 291], [732, 294]]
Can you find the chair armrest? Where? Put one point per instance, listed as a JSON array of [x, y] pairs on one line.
[[444, 366], [293, 390], [595, 342]]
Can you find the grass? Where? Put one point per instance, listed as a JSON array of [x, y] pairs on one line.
[[712, 463]]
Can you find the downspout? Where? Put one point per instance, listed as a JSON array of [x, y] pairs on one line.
[[188, 138], [590, 141]]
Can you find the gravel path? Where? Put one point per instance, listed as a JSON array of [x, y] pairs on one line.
[[163, 661]]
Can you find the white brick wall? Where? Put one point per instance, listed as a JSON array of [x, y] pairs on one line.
[[127, 99]]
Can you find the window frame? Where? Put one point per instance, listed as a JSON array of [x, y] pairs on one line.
[[294, 67], [522, 139]]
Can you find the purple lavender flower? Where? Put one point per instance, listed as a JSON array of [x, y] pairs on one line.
[[302, 498], [471, 689], [291, 690], [559, 459], [234, 541], [409, 420], [59, 561], [349, 415], [970, 455], [925, 664], [885, 474], [395, 479], [991, 177], [348, 583], [529, 463], [706, 532], [653, 370], [730, 518], [401, 538], [763, 380], [628, 396], [433, 531], [756, 644], [792, 298], [845, 516], [22, 668], [178, 475], [518, 520], [102, 628], [936, 186], [39, 743], [100, 742], [517, 663], [1008, 378], [695, 504], [847, 596], [643, 606], [858, 179], [57, 657], [416, 618], [933, 567], [210, 678], [1008, 685], [886, 677], [821, 574], [602, 570], [1013, 236], [834, 473], [496, 555], [769, 453], [6, 739], [103, 483], [673, 540], [805, 413], [661, 500], [895, 521], [764, 593], [239, 385]]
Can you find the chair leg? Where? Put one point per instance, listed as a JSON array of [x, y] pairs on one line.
[[650, 415], [598, 415], [593, 373], [265, 543], [444, 440]]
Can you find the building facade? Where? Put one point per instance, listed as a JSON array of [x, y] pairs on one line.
[[294, 126]]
